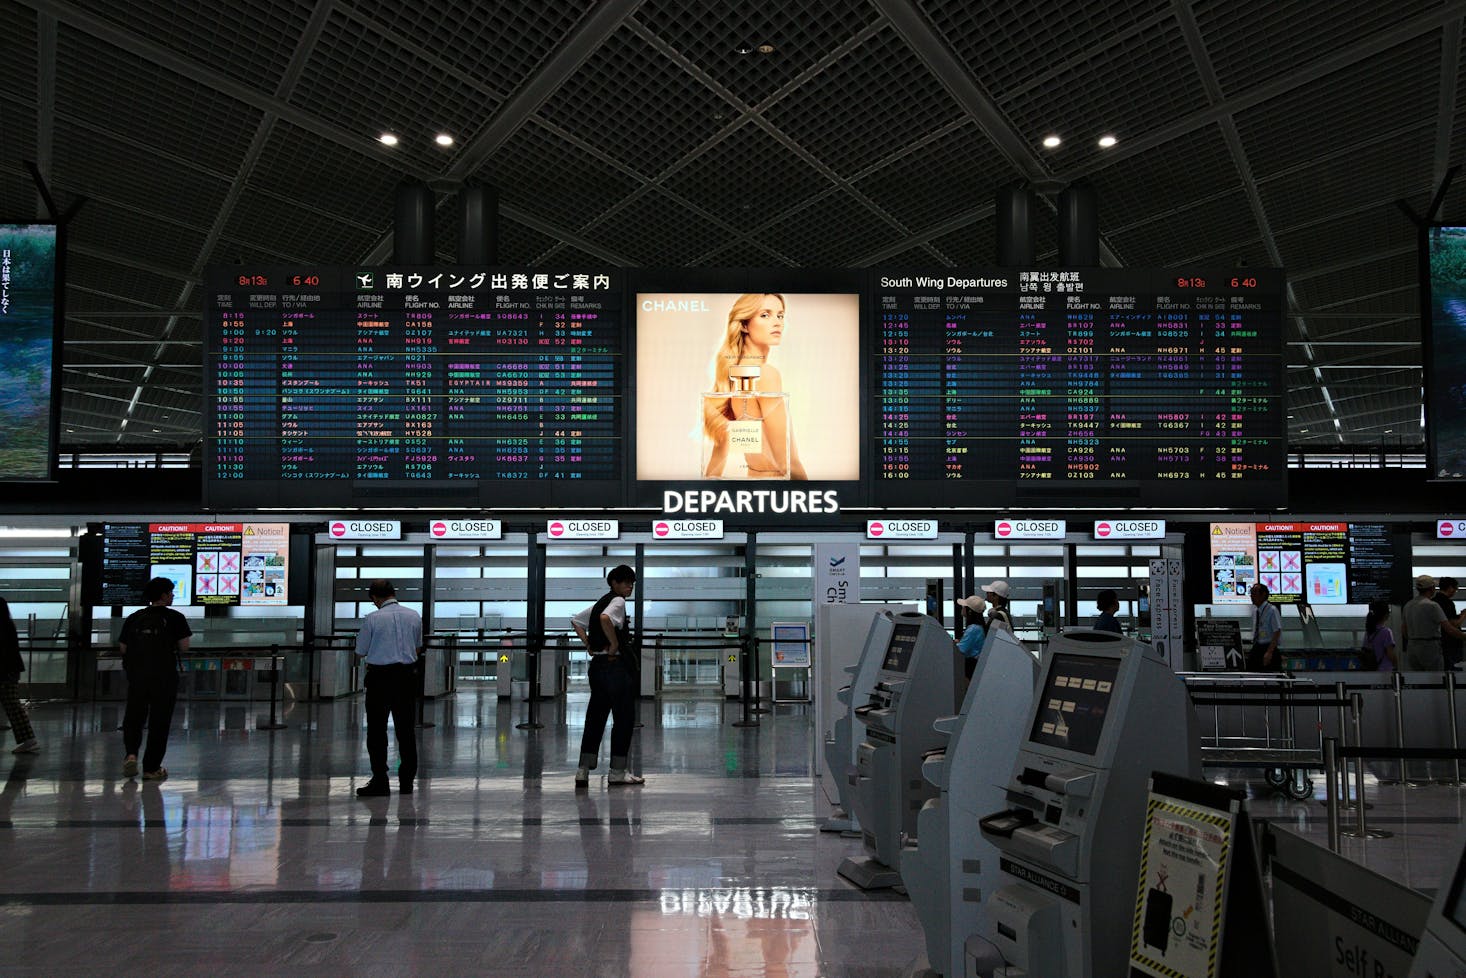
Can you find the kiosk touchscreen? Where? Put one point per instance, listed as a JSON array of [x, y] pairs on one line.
[[849, 730], [917, 683], [952, 867], [1107, 713], [1442, 951]]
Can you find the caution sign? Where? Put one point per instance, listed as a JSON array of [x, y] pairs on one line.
[[1178, 910], [1199, 880]]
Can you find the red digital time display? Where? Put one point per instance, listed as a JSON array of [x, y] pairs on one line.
[[253, 280]]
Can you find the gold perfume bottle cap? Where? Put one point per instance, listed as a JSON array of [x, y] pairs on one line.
[[744, 375]]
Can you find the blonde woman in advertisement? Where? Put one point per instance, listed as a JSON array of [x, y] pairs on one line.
[[755, 327]]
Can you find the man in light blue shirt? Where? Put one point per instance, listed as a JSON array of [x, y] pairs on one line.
[[389, 641], [1267, 632]]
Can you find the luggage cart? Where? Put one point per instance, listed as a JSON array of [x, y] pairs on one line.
[[1260, 728]]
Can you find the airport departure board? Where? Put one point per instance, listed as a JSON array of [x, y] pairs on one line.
[[383, 386], [1064, 386]]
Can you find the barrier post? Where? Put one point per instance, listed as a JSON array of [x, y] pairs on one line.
[[275, 663], [1397, 681], [532, 657], [1331, 792], [1342, 695], [1455, 778], [422, 688], [1361, 828], [746, 687]]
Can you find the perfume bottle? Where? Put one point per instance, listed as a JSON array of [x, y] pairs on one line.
[[755, 442]]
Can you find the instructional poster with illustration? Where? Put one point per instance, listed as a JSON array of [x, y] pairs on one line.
[[747, 386], [1233, 562], [1179, 906]]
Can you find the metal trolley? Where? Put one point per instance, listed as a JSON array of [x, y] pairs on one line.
[[1255, 724]]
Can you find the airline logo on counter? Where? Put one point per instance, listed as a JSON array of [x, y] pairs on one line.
[[901, 529], [445, 529], [688, 529], [1029, 529], [365, 529], [1129, 529], [583, 529], [1450, 529]]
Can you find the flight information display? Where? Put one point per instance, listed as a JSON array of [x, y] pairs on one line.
[[381, 386], [1147, 387]]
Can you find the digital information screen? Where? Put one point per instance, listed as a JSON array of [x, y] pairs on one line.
[[28, 350], [350, 386], [1074, 702], [1444, 350], [1313, 563], [1132, 386], [208, 563], [900, 647]]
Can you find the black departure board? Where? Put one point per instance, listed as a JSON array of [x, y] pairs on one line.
[[384, 386], [1065, 386]]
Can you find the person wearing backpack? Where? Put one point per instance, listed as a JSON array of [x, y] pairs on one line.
[[613, 683], [1379, 641], [150, 644]]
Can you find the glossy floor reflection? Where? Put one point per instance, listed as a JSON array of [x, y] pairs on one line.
[[255, 858]]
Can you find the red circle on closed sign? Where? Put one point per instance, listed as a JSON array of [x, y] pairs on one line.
[[1004, 529], [338, 529], [1103, 529], [876, 529], [1447, 528], [440, 528], [661, 529], [557, 528]]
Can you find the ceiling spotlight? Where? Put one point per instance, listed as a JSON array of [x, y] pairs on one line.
[[1052, 141], [1106, 142], [765, 48], [387, 139], [443, 139], [743, 47]]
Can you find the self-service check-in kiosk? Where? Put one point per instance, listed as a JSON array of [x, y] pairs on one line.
[[916, 684], [1107, 713], [849, 728], [951, 869], [1442, 950]]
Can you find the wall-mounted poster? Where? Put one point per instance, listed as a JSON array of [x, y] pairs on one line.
[[28, 265]]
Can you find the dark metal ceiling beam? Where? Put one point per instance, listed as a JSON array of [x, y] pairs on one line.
[[1446, 116], [1377, 43], [45, 103], [603, 20]]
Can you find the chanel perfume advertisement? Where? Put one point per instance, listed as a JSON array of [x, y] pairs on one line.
[[752, 387]]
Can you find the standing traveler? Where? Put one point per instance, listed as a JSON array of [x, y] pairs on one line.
[[11, 666], [996, 594], [613, 683], [1379, 638], [1267, 633], [1445, 596], [389, 641], [1108, 603], [973, 634], [1425, 623], [151, 642]]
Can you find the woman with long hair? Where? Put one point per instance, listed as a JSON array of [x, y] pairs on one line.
[[755, 326], [11, 666], [1380, 638]]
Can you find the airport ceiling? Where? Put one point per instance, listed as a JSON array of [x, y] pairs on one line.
[[662, 132]]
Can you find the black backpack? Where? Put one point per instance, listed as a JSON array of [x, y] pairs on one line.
[[151, 645]]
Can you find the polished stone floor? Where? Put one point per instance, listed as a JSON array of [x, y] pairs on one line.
[[255, 858]]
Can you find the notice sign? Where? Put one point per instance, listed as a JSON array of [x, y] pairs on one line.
[[460, 529], [900, 529], [1183, 872], [343, 529], [1219, 644], [791, 644], [1450, 529], [583, 529], [682, 529], [1029, 529], [1128, 529], [1233, 562]]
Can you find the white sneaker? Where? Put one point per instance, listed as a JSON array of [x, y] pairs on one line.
[[29, 747], [625, 777]]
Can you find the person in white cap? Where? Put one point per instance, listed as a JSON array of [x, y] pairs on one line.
[[996, 594], [970, 645], [1424, 622]]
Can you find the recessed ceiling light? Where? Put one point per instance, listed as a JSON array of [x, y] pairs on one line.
[[765, 48], [443, 139], [1107, 141], [1389, 431], [387, 139], [743, 47], [1302, 431], [1052, 141]]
